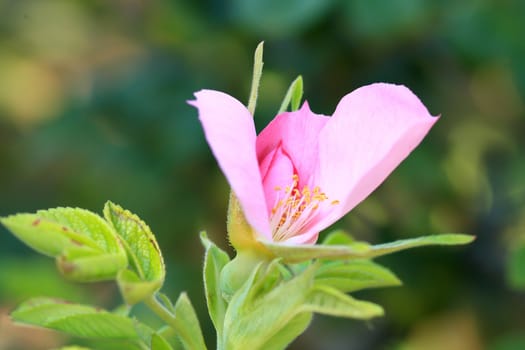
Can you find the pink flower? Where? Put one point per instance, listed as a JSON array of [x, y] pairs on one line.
[[304, 171]]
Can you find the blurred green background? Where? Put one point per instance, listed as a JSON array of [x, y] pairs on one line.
[[93, 107]]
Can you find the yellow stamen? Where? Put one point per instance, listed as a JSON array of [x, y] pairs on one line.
[[295, 208]]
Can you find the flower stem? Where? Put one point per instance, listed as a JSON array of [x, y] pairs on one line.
[[257, 72]]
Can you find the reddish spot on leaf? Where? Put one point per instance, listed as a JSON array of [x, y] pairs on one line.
[[65, 229], [74, 241], [65, 266], [36, 222], [154, 244]]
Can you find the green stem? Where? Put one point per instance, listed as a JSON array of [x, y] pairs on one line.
[[172, 321], [257, 72], [161, 311], [143, 346]]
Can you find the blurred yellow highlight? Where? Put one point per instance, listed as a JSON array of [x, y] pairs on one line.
[[31, 92]]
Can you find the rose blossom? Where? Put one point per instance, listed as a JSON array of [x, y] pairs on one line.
[[304, 171]]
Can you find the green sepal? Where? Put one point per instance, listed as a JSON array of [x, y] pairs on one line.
[[188, 330], [330, 301], [353, 275], [85, 247], [441, 239], [293, 95], [214, 261], [256, 77], [75, 319], [299, 253], [357, 250], [147, 271]]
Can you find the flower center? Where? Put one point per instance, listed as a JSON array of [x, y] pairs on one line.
[[295, 209]]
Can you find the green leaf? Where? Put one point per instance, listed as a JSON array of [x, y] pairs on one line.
[[133, 288], [329, 301], [85, 247], [188, 330], [166, 301], [293, 95], [288, 334], [214, 261], [254, 318], [272, 276], [300, 253], [73, 347], [46, 237], [168, 333], [148, 272], [159, 343], [338, 237], [93, 268], [349, 276], [442, 239], [75, 319]]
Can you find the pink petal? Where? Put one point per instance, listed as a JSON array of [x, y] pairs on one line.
[[279, 172], [372, 130], [297, 133], [230, 132], [309, 237]]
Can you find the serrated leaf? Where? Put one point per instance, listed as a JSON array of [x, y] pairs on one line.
[[188, 330], [148, 271], [214, 261], [96, 325], [293, 95], [353, 275], [46, 237], [442, 239], [75, 319], [300, 253], [85, 247], [329, 301], [91, 268], [85, 223]]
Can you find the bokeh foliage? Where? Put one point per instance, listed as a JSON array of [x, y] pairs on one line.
[[92, 107]]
